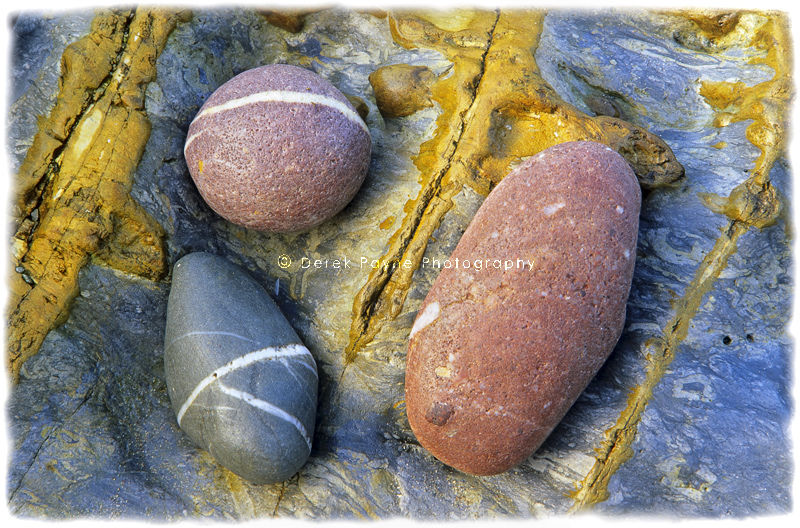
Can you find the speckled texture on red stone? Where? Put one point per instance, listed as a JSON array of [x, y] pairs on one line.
[[496, 357], [277, 166]]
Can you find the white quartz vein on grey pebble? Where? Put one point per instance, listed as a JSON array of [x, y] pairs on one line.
[[244, 361]]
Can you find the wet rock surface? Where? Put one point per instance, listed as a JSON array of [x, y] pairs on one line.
[[703, 356]]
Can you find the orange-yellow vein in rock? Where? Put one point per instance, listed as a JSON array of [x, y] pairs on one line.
[[754, 203], [496, 109], [78, 175]]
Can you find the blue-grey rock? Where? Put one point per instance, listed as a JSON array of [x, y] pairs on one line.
[[242, 384]]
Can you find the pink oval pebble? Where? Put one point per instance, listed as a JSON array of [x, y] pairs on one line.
[[277, 148], [497, 355]]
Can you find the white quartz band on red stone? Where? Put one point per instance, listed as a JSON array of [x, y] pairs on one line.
[[280, 96], [246, 360], [268, 408], [428, 315]]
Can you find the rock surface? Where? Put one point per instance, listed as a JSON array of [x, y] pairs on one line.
[[92, 429], [241, 383], [529, 309], [277, 148]]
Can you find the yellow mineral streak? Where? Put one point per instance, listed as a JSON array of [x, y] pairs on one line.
[[496, 109], [387, 222], [710, 30], [78, 174], [384, 293], [753, 203], [240, 495], [714, 23]]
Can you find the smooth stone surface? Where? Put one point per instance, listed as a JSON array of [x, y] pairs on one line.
[[499, 352], [242, 384], [277, 148]]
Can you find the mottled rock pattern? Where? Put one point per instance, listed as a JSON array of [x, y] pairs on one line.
[[93, 433], [277, 148], [242, 384], [529, 309]]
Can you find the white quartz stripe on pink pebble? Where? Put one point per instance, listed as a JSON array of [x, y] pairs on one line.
[[282, 96]]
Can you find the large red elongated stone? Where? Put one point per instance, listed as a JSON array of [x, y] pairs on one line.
[[529, 309]]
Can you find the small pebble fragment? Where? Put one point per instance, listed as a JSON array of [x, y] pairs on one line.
[[402, 89], [602, 106], [360, 106], [277, 148], [498, 354], [242, 384], [289, 20]]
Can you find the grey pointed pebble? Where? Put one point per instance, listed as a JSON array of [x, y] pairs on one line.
[[242, 384]]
